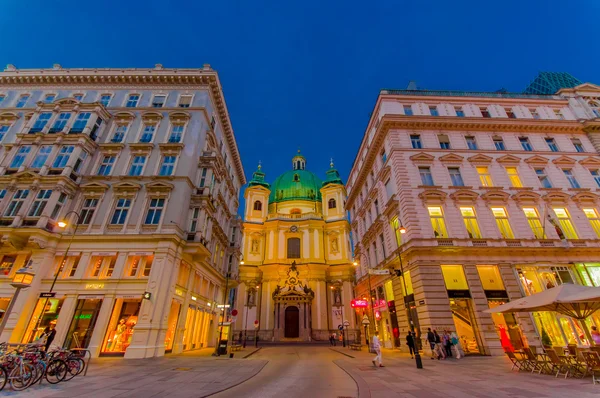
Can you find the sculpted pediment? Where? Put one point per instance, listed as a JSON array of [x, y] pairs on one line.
[[497, 196], [536, 160], [564, 160], [508, 159], [590, 161], [464, 195], [422, 157], [479, 158], [526, 196], [451, 158]]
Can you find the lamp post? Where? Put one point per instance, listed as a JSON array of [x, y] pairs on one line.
[[418, 361], [22, 280], [223, 311], [62, 224]]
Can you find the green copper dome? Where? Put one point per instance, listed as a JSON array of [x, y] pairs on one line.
[[296, 184]]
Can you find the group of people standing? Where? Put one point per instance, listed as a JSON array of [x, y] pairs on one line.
[[444, 346]]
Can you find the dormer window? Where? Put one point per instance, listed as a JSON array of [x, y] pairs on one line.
[[257, 205], [331, 204], [296, 178]]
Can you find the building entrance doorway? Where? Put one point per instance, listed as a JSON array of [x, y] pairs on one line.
[[466, 328], [292, 322]]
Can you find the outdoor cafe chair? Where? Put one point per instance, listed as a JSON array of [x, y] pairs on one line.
[[592, 360], [538, 362], [520, 364], [559, 363]]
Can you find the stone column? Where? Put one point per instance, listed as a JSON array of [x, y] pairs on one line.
[[99, 332], [64, 319]]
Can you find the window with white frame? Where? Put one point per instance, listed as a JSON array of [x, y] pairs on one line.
[[16, 203], [194, 219], [502, 222], [106, 165], [571, 178], [105, 99], [185, 101], [433, 110], [167, 165], [120, 132], [455, 177], [121, 210], [132, 101], [60, 122], [594, 219], [543, 178], [415, 141], [63, 156], [49, 98], [88, 209], [408, 110], [80, 122], [155, 209], [203, 177], [139, 266], [459, 111], [41, 122], [20, 157], [62, 199], [3, 130], [551, 144], [444, 141], [596, 175], [42, 156], [79, 161], [484, 176], [565, 223], [22, 101], [176, 133], [137, 165], [577, 144], [525, 144], [499, 144], [148, 133], [40, 202], [470, 220], [159, 100], [426, 177], [471, 143]]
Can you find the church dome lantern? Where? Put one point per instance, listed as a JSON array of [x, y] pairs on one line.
[[296, 184]]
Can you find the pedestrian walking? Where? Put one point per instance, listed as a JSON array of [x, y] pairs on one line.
[[331, 339], [377, 348], [410, 342], [431, 340], [456, 345], [334, 336], [439, 350], [447, 343]]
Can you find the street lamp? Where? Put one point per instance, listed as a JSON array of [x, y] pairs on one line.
[[223, 310], [22, 280], [418, 361], [62, 224]]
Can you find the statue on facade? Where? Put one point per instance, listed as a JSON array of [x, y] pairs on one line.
[[254, 247]]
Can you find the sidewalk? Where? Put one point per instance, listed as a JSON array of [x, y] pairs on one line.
[[468, 377]]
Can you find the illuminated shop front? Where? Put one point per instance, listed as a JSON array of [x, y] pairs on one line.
[[172, 324], [197, 325], [45, 312], [121, 326]]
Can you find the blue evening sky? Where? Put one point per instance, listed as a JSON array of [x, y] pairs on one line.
[[307, 73]]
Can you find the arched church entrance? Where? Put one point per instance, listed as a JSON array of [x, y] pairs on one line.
[[292, 322]]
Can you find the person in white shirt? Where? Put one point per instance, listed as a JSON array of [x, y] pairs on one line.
[[377, 349]]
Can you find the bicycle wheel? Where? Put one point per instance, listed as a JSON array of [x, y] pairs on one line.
[[3, 377], [40, 370], [56, 371], [21, 376], [75, 366]]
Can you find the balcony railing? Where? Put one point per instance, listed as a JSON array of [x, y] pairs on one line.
[[303, 216]]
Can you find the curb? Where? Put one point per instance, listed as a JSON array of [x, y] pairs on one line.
[[343, 353], [252, 352], [363, 388], [237, 384]]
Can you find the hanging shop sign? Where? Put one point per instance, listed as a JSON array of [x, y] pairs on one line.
[[47, 295], [378, 315], [358, 303], [94, 286], [379, 271]]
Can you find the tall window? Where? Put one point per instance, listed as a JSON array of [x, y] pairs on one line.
[[499, 144], [426, 177], [137, 165], [41, 122], [40, 202], [444, 141], [158, 101], [42, 156], [185, 101], [62, 199], [471, 143], [120, 213], [331, 204], [257, 205], [16, 203], [596, 175], [176, 133], [194, 219], [3, 130], [552, 144], [437, 221], [502, 222], [565, 223], [88, 209], [459, 111], [120, 132], [49, 98], [571, 178], [168, 165], [513, 176], [577, 144], [106, 165], [594, 219], [468, 214], [155, 210], [544, 180], [408, 110], [525, 144], [484, 176], [80, 122], [203, 177], [485, 112], [293, 248], [148, 133], [434, 111], [415, 141], [60, 122], [132, 101], [105, 99], [20, 157], [6, 264], [533, 218], [22, 101], [455, 176], [63, 157]]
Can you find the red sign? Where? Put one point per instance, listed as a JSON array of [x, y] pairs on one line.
[[380, 303], [357, 303], [378, 315], [234, 312], [256, 322]]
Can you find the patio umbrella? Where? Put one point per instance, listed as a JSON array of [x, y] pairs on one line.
[[576, 301]]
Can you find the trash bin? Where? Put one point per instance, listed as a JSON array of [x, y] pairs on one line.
[[223, 347]]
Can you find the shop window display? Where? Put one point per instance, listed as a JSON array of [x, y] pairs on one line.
[[83, 322], [40, 320], [121, 326], [4, 302], [172, 324]]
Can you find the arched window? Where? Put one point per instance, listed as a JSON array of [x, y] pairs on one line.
[[293, 248], [332, 203], [296, 178], [258, 205]]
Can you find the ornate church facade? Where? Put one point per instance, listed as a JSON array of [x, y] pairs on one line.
[[296, 281]]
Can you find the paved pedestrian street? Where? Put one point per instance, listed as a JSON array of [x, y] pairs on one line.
[[308, 371]]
